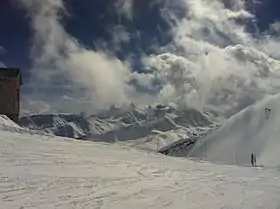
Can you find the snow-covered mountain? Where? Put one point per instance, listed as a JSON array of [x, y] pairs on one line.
[[46, 172], [154, 127], [256, 130], [7, 124]]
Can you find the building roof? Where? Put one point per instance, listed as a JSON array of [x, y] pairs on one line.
[[11, 73]]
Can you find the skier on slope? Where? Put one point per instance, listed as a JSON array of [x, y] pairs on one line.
[[253, 159], [267, 113]]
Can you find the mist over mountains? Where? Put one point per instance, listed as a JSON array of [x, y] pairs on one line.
[[197, 54], [150, 128]]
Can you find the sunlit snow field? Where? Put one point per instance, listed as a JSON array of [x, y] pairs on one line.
[[51, 172]]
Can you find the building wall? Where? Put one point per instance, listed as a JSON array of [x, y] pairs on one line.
[[9, 98]]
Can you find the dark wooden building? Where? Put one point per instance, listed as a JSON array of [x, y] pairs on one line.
[[10, 82]]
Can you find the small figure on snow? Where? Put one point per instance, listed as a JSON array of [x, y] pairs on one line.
[[253, 159], [267, 113]]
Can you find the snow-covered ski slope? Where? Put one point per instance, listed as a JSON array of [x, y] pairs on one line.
[[43, 172], [40, 172], [51, 172], [253, 130]]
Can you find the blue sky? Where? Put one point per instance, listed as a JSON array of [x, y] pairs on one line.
[[90, 22], [102, 37], [267, 13]]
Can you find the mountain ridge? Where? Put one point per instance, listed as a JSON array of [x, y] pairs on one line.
[[150, 127]]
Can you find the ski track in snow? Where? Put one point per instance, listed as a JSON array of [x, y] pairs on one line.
[[53, 172]]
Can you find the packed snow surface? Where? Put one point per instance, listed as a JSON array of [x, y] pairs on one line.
[[52, 172], [254, 130]]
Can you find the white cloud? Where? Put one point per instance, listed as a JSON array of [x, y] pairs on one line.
[[270, 46], [120, 34], [125, 8], [228, 79], [228, 69], [220, 66], [275, 27], [57, 55], [210, 22], [30, 107]]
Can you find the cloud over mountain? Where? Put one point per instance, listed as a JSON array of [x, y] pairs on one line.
[[218, 63], [212, 61], [56, 54]]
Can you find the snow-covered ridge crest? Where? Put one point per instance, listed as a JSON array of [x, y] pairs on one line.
[[255, 130], [7, 124], [149, 127]]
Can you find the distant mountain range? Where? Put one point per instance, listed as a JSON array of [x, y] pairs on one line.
[[150, 127]]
